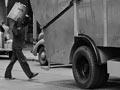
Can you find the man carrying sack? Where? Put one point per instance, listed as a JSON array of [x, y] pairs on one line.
[[17, 27]]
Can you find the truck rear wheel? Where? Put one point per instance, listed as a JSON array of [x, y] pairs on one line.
[[87, 73], [42, 57]]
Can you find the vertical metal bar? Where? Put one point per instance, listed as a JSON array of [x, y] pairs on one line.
[[76, 28], [92, 12], [34, 28], [6, 4], [105, 23]]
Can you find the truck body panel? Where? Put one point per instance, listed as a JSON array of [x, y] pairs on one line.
[[99, 19], [91, 21], [113, 23], [58, 37]]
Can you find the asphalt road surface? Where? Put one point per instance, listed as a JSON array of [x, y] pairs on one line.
[[57, 78]]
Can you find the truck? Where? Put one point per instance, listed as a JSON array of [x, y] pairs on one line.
[[84, 33]]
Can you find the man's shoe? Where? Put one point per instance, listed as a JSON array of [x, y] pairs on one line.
[[34, 74], [10, 78]]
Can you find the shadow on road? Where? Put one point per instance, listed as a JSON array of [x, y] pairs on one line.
[[64, 83], [112, 84]]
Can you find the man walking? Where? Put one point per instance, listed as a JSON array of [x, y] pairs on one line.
[[17, 46]]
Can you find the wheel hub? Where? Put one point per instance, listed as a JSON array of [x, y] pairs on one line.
[[43, 55], [83, 68]]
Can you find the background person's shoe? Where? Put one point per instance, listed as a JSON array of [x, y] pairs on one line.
[[34, 74]]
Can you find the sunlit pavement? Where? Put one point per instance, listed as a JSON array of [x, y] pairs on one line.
[[59, 78], [54, 79]]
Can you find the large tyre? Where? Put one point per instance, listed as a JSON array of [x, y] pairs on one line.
[[86, 71], [42, 57]]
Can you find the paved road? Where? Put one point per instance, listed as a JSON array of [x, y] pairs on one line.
[[53, 79]]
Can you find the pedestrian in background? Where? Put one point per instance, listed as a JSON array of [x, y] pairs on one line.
[[17, 46]]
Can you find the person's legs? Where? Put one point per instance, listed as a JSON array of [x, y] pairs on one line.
[[24, 64], [10, 66]]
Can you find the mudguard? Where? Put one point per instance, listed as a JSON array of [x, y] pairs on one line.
[[85, 40], [41, 35], [36, 47]]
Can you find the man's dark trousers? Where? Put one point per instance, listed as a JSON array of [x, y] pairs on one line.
[[18, 32], [18, 55]]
